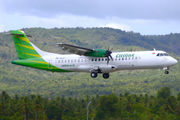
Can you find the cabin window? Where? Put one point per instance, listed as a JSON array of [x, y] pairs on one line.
[[95, 59], [59, 61], [102, 59], [68, 61], [62, 61], [122, 58], [55, 61], [132, 58], [81, 60], [119, 58], [157, 54], [99, 59], [161, 54], [92, 59], [116, 59], [78, 60], [65, 61], [106, 59], [126, 58], [129, 58], [72, 60]]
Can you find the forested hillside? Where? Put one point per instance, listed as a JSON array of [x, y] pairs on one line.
[[162, 106], [25, 81]]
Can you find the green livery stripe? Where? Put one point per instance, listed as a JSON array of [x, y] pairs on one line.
[[38, 63], [33, 55], [23, 38], [29, 47]]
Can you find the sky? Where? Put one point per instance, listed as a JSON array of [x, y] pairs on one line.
[[147, 17]]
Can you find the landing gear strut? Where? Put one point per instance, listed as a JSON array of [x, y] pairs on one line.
[[94, 74], [166, 72], [105, 75]]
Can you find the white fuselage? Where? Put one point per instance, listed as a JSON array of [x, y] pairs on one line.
[[121, 61]]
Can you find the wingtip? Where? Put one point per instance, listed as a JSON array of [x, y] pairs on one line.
[[59, 43], [7, 33]]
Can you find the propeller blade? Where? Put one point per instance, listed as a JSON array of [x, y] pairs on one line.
[[107, 60], [111, 57], [108, 54]]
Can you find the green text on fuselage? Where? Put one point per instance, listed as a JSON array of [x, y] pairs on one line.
[[67, 65], [124, 55]]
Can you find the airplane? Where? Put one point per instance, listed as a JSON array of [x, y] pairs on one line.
[[93, 61]]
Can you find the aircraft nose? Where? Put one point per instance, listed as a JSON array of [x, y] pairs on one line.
[[174, 61]]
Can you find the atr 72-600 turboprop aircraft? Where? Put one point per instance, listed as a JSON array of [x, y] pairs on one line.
[[93, 61]]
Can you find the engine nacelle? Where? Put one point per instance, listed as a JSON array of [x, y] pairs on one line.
[[97, 53]]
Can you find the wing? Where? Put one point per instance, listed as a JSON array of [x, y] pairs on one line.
[[86, 51], [75, 49]]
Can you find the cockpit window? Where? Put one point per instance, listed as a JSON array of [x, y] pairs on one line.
[[162, 54], [165, 54]]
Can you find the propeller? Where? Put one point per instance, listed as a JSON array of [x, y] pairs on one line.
[[108, 54]]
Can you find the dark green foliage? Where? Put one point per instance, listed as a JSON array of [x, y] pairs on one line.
[[107, 106], [54, 112], [103, 107], [164, 92]]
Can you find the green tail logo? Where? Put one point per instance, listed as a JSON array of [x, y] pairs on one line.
[[30, 55], [23, 46]]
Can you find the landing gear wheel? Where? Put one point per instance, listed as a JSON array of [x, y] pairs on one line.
[[105, 75], [166, 72], [93, 74]]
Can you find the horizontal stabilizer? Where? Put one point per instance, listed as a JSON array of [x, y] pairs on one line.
[[16, 34]]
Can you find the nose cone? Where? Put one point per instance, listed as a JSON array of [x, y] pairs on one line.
[[174, 61]]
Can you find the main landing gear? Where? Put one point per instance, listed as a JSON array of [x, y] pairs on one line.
[[105, 75], [94, 75]]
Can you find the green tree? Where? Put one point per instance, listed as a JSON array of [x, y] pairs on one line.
[[164, 92], [53, 111], [107, 106]]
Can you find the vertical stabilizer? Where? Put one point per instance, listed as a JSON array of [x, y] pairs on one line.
[[24, 47]]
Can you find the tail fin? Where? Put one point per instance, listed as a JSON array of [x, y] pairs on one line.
[[24, 48]]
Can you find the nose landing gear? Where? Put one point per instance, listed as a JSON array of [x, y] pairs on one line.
[[166, 72], [166, 68]]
